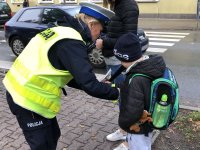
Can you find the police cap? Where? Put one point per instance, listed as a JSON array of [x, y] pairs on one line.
[[98, 12]]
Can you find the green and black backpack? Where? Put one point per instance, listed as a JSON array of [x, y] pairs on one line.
[[164, 104]]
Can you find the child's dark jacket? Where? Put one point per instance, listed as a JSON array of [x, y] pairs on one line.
[[135, 96]]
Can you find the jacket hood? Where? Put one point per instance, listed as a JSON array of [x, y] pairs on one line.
[[153, 67]]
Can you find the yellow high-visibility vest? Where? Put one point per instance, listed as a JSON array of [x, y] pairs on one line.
[[32, 81]]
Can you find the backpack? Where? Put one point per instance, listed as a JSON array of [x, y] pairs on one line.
[[164, 104]]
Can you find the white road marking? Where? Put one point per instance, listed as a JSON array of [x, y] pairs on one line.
[[164, 39], [161, 44], [159, 41], [174, 33], [13, 55], [2, 40], [156, 50], [165, 35], [5, 64]]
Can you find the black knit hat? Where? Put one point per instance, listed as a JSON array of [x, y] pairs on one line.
[[127, 48]]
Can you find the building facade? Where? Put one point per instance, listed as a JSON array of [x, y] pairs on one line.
[[181, 9]]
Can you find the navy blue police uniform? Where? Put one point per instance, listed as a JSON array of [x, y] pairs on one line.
[[67, 54]]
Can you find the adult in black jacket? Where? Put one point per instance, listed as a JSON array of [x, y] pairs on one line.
[[135, 92], [25, 3], [124, 21]]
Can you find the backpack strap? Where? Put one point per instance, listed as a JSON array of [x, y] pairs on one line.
[[139, 74]]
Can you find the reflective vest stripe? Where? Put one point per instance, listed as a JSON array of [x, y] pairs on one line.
[[22, 72], [47, 113], [33, 97]]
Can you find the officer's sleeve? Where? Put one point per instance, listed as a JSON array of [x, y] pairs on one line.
[[74, 58]]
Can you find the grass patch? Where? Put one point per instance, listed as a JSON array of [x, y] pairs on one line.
[[188, 122]]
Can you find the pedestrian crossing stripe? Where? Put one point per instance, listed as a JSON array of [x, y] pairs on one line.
[[173, 33], [156, 50], [159, 42], [164, 39], [2, 40], [165, 35]]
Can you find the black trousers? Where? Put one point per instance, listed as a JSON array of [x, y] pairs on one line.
[[40, 133]]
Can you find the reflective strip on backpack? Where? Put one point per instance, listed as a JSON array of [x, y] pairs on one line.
[[138, 74], [175, 86]]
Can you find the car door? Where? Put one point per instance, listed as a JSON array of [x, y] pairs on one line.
[[5, 12]]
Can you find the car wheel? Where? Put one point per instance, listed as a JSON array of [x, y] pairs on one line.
[[17, 45], [96, 58]]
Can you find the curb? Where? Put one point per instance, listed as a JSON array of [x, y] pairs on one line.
[[156, 133], [189, 107]]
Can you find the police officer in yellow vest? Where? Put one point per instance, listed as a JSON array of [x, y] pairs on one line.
[[52, 59]]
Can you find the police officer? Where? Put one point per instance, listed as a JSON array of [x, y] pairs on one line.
[[52, 59]]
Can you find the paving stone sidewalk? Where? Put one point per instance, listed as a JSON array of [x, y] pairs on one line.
[[168, 24], [84, 121]]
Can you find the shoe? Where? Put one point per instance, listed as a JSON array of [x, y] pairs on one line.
[[121, 147], [115, 136]]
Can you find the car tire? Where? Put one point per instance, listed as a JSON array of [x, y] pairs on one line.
[[96, 58], [17, 45]]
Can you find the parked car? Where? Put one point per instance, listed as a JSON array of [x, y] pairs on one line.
[[27, 22], [5, 12]]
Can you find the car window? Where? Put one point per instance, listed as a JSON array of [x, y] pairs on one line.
[[4, 6], [52, 15], [73, 11], [31, 15]]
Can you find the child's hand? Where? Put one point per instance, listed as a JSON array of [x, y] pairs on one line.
[[135, 127], [146, 116]]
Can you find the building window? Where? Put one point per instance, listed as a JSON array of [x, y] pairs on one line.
[[45, 1], [17, 1], [93, 1], [148, 1], [97, 1], [68, 1]]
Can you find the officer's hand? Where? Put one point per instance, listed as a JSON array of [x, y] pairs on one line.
[[99, 43], [106, 81]]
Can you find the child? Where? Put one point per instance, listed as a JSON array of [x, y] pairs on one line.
[[135, 92], [124, 21]]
